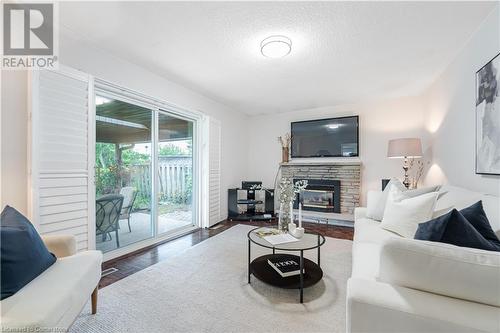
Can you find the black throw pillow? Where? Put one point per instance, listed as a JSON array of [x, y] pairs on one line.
[[434, 229], [476, 216], [23, 254], [453, 228]]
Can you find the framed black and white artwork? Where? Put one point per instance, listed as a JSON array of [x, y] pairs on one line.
[[488, 118]]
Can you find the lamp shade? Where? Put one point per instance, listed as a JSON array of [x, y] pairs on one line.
[[407, 147]]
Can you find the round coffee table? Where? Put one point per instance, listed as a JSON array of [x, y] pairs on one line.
[[310, 272]]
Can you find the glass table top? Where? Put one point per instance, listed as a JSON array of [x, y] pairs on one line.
[[310, 240]]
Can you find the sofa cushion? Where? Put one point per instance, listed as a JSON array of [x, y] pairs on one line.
[[57, 296], [476, 216], [491, 207], [374, 306], [453, 228], [403, 217], [440, 268], [23, 254], [366, 260], [368, 239], [374, 205], [368, 230]]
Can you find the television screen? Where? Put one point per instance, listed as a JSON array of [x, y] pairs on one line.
[[334, 137]]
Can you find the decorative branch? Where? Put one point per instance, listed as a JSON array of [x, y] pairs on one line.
[[419, 171], [288, 190], [285, 141]]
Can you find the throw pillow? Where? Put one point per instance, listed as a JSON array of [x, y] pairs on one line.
[[377, 202], [23, 254], [453, 228], [476, 216], [375, 208], [402, 216]]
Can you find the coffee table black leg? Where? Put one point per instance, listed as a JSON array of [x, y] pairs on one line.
[[248, 261], [301, 276], [319, 253]]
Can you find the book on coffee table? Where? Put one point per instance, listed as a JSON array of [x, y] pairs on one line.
[[285, 267], [263, 232], [280, 239]]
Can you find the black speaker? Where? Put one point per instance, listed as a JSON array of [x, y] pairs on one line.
[[232, 200], [269, 202], [384, 183]]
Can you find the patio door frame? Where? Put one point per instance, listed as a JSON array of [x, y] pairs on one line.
[[112, 91]]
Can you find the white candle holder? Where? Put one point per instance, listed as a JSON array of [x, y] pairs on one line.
[[297, 232]]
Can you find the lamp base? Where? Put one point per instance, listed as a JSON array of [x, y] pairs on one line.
[[406, 181]]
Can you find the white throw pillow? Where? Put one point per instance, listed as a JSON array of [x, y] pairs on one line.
[[402, 215], [378, 200], [376, 206]]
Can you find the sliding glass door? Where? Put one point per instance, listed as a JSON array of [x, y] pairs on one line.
[[175, 172], [144, 175]]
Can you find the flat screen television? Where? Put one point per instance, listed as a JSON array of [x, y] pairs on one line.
[[333, 137]]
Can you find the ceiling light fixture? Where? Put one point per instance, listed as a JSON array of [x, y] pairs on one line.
[[276, 46]]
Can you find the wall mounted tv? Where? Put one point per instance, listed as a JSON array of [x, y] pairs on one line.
[[333, 137]]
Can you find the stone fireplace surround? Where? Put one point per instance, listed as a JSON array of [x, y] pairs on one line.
[[347, 172]]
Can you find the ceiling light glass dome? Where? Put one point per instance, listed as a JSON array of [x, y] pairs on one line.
[[276, 46]]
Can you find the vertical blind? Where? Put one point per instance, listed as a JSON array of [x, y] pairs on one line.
[[214, 171], [59, 154]]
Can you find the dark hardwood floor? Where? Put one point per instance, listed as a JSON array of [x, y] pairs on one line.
[[138, 260]]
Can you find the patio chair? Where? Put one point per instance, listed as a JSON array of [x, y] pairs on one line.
[[107, 215], [129, 194]]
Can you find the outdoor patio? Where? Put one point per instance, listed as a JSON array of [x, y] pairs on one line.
[[140, 223], [124, 161]]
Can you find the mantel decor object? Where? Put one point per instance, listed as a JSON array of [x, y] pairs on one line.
[[406, 148], [295, 231], [285, 147]]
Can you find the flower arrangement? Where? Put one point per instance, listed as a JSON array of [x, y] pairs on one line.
[[287, 192]]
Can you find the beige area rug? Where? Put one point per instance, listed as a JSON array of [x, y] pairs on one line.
[[205, 289]]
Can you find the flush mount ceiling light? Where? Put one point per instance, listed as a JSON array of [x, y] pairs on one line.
[[276, 46]]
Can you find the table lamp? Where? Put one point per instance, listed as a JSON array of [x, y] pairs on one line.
[[405, 148]]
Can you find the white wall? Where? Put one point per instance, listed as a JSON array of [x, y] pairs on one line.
[[379, 122], [14, 121], [450, 118]]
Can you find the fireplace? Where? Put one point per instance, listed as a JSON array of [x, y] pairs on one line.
[[320, 195]]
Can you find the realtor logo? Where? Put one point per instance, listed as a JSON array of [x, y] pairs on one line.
[[29, 36]]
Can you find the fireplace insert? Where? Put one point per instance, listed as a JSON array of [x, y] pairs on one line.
[[321, 195]]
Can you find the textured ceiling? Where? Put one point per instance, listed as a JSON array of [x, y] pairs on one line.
[[342, 53]]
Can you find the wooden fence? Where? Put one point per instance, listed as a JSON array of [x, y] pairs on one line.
[[175, 177]]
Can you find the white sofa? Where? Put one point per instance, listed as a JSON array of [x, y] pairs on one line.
[[54, 299], [406, 285]]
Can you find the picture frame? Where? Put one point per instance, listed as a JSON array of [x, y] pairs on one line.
[[487, 101]]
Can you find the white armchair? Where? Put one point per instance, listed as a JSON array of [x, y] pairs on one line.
[[56, 297]]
